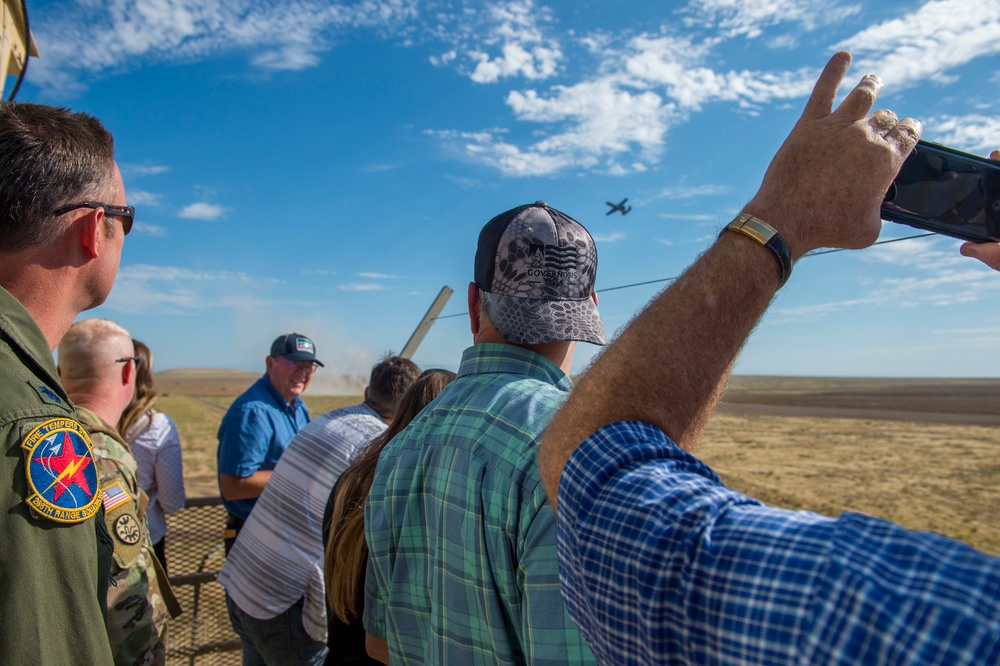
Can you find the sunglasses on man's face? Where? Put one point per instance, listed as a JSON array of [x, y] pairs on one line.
[[125, 213]]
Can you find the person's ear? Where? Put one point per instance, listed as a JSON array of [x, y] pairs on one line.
[[128, 372], [593, 296], [90, 237], [474, 307]]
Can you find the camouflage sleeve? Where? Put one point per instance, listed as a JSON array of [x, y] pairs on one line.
[[137, 614]]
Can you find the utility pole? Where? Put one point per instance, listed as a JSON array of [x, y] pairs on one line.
[[425, 324]]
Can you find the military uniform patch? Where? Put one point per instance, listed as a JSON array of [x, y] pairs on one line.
[[115, 495], [62, 475], [127, 529], [48, 396]]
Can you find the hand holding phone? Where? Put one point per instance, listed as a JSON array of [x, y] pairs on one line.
[[946, 191]]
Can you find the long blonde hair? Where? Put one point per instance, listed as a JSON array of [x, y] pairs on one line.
[[346, 550], [145, 391]]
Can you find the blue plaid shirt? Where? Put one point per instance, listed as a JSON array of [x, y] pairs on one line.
[[464, 567], [662, 564]]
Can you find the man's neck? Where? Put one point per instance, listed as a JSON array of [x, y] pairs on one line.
[[44, 293], [101, 407]]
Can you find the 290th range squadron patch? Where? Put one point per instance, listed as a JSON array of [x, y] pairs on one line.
[[62, 475]]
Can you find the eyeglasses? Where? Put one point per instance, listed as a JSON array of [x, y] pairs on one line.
[[125, 213], [134, 359], [308, 366]]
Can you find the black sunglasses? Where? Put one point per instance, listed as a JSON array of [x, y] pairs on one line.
[[135, 359], [126, 213]]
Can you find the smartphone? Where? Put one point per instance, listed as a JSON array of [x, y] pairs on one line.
[[947, 191]]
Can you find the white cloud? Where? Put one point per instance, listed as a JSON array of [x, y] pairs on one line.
[[145, 288], [935, 275], [928, 43], [150, 229], [602, 121], [141, 170], [291, 58], [975, 132], [377, 276], [691, 192], [141, 197], [282, 35], [675, 63], [617, 121], [749, 17], [612, 237], [320, 272], [150, 273], [370, 286], [503, 40], [202, 211]]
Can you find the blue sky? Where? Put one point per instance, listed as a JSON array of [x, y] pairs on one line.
[[326, 167]]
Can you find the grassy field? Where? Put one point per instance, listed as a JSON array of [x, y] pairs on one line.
[[902, 465]]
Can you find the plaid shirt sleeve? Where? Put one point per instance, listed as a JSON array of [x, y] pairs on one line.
[[662, 564]]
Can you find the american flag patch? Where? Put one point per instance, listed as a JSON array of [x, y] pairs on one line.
[[115, 495]]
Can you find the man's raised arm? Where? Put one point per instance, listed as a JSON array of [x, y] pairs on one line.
[[822, 189]]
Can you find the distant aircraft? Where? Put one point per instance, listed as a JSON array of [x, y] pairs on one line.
[[620, 208]]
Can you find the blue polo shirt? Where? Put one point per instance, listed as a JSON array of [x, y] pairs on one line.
[[254, 434]]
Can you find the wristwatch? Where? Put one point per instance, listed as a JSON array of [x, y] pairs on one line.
[[768, 236]]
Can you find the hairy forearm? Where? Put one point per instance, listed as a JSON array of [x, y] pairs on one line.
[[822, 189], [243, 487], [669, 367]]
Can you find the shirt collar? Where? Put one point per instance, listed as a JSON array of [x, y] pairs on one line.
[[287, 406], [500, 358]]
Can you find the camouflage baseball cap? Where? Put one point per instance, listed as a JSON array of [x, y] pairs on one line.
[[538, 267]]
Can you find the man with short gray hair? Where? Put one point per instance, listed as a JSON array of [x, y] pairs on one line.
[[98, 368]]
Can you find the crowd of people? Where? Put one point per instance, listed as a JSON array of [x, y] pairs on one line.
[[497, 515]]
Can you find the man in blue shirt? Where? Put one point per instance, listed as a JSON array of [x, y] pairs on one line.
[[260, 424], [660, 562]]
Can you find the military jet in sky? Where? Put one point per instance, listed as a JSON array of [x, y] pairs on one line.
[[619, 208]]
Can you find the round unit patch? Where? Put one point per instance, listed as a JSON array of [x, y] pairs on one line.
[[62, 475], [127, 529]]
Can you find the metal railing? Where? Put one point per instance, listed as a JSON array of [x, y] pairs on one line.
[[201, 634]]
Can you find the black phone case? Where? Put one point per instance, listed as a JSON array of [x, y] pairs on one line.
[[953, 219]]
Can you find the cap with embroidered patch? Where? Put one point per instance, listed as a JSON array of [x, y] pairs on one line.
[[295, 347], [538, 267]]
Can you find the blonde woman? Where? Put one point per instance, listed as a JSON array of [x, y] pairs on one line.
[[346, 552], [156, 446]]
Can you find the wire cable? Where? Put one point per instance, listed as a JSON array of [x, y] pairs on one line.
[[814, 253]]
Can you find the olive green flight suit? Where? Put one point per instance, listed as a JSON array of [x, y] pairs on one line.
[[55, 556]]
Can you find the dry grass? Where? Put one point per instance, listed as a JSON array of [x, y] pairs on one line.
[[943, 477]]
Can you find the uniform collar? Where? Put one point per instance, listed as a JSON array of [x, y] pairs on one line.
[[17, 324]]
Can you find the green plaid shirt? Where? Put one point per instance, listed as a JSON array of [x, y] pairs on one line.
[[463, 566]]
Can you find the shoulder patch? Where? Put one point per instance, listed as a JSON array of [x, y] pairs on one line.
[[47, 395], [114, 495], [62, 475], [127, 529]]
